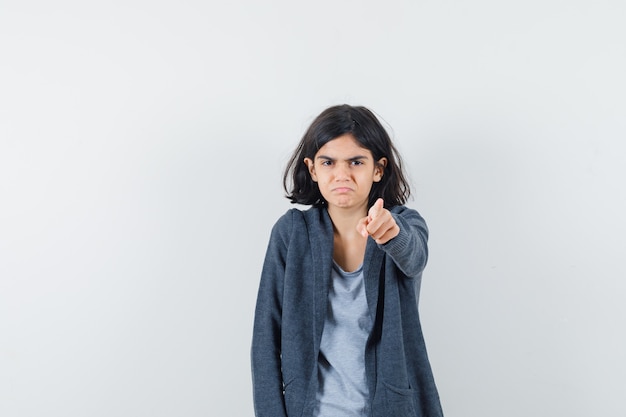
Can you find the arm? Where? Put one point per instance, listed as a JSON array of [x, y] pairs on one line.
[[267, 378], [409, 249], [402, 233]]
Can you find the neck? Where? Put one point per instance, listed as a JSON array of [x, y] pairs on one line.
[[346, 220]]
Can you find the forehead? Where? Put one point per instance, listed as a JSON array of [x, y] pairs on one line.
[[344, 146]]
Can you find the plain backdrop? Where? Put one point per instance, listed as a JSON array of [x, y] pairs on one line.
[[141, 152]]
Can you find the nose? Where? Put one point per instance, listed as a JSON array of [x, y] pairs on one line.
[[342, 172]]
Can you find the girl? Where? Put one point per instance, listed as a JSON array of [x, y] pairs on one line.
[[336, 329]]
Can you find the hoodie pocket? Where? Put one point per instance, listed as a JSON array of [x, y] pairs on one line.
[[400, 401]]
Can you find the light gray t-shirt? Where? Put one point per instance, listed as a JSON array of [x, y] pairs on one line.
[[341, 363]]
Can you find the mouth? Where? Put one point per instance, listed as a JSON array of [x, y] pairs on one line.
[[342, 190]]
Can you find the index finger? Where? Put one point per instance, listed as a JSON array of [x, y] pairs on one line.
[[377, 208]]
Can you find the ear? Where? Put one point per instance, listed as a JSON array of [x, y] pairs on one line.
[[309, 163], [379, 169]]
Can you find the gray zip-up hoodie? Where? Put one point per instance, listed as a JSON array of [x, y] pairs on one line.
[[291, 308]]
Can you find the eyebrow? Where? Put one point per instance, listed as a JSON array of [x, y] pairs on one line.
[[354, 158]]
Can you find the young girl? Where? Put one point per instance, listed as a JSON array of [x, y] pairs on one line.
[[336, 329]]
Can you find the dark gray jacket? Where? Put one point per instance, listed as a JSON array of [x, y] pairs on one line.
[[291, 308]]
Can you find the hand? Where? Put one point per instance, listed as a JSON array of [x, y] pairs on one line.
[[379, 224]]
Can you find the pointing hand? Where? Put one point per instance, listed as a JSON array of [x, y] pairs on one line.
[[379, 224]]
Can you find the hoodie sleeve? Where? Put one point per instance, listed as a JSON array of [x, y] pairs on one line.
[[267, 377], [409, 250]]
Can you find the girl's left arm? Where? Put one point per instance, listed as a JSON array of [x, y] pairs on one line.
[[409, 249]]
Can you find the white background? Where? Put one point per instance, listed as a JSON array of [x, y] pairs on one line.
[[141, 151]]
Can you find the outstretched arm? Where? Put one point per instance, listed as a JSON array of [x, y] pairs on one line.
[[402, 233]]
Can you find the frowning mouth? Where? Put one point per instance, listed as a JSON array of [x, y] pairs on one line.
[[342, 190]]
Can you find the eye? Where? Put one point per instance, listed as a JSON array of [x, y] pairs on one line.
[[357, 162], [327, 162]]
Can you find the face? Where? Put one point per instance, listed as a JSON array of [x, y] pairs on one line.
[[345, 172]]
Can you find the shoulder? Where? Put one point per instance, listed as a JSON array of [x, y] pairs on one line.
[[405, 212], [299, 220], [284, 225], [400, 209], [294, 227], [296, 220], [410, 216]]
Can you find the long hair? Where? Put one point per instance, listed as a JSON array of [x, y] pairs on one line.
[[361, 123]]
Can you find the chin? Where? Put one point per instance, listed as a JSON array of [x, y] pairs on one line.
[[345, 203], [339, 203]]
